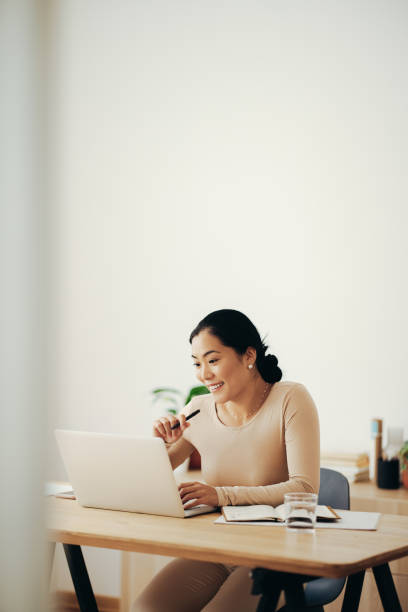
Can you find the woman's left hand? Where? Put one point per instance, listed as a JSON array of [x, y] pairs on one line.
[[199, 492]]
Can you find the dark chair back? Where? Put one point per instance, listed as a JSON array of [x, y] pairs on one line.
[[334, 492], [334, 489]]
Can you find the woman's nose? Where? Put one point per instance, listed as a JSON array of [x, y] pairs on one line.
[[206, 373]]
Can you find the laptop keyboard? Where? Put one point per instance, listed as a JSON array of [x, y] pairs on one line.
[[201, 509]]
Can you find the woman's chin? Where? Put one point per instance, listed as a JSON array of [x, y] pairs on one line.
[[220, 396]]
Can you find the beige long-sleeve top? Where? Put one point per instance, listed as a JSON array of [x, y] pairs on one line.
[[276, 452]]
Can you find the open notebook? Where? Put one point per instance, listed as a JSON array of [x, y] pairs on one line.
[[269, 513]]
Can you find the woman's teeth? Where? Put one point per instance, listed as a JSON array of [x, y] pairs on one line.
[[215, 387]]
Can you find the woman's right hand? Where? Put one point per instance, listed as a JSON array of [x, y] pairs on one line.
[[162, 428]]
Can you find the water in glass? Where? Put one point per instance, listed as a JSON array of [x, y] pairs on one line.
[[300, 511]]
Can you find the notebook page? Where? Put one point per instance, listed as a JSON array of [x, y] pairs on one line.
[[248, 513]]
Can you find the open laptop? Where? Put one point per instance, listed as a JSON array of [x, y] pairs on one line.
[[121, 472]]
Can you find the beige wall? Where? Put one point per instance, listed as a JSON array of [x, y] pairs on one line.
[[237, 154]]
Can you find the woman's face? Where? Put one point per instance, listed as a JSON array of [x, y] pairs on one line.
[[219, 367]]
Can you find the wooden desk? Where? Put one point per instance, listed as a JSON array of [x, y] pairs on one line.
[[137, 570], [368, 497], [332, 553]]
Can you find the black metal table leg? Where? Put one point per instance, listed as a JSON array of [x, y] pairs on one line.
[[270, 583], [268, 601], [294, 596], [352, 593], [267, 587], [386, 588], [80, 578]]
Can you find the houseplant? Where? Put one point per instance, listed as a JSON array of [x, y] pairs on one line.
[[167, 400], [404, 463], [170, 400]]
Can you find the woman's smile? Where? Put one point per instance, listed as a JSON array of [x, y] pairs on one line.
[[215, 386]]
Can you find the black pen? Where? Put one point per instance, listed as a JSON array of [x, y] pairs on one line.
[[190, 416]]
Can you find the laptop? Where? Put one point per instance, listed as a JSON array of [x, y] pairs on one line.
[[122, 472]]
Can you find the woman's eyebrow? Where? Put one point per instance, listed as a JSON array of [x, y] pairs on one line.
[[205, 354]]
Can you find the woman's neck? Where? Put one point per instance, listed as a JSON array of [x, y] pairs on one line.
[[244, 407]]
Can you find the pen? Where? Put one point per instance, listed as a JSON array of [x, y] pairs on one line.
[[190, 416]]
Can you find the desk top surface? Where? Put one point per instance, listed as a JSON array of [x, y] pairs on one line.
[[327, 552], [368, 489]]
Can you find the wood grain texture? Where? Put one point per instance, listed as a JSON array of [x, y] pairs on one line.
[[325, 553], [367, 497]]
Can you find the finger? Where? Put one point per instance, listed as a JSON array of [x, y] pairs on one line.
[[184, 490], [159, 429], [192, 489], [158, 423], [183, 422], [156, 426], [191, 495], [165, 423], [173, 421], [193, 504], [177, 432], [194, 495], [188, 484]]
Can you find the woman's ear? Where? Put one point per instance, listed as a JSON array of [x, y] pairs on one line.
[[250, 356]]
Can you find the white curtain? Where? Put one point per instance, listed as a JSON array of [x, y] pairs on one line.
[[22, 306]]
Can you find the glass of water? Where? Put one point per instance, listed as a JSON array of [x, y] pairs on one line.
[[300, 511]]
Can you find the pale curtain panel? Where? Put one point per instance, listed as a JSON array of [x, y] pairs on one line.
[[22, 290]]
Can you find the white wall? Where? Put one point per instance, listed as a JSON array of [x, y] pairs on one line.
[[243, 154]]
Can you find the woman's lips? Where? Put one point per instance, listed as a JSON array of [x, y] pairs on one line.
[[215, 387]]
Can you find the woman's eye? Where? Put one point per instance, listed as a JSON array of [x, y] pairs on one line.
[[196, 365], [213, 361]]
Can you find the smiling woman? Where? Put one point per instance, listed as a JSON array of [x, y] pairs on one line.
[[258, 438]]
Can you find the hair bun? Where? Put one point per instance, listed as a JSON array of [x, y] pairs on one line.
[[268, 368], [271, 359]]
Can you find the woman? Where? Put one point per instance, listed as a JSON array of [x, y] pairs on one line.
[[258, 439]]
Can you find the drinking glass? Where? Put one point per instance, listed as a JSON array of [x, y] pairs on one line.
[[300, 511]]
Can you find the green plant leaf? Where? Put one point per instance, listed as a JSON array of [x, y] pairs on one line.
[[194, 391], [404, 456], [165, 398], [166, 390]]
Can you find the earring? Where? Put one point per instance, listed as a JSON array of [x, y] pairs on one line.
[[251, 365]]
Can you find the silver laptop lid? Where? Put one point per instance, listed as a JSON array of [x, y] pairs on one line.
[[120, 472]]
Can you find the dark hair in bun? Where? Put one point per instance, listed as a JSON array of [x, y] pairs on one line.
[[234, 329]]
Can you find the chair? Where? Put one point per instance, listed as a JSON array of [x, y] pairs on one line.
[[335, 492]]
